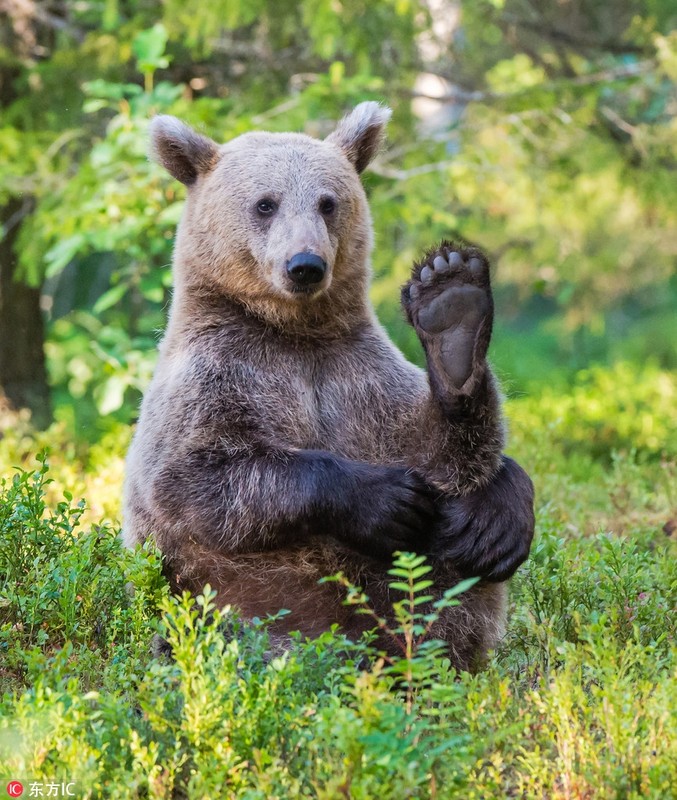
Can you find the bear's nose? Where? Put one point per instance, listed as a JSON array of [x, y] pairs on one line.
[[306, 269]]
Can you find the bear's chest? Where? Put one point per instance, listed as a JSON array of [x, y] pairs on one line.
[[350, 400], [300, 412], [275, 400]]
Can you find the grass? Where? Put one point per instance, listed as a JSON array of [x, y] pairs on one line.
[[578, 702]]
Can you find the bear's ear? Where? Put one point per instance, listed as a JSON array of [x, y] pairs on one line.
[[184, 153], [361, 133]]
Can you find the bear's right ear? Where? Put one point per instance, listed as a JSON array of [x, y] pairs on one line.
[[361, 133], [184, 153]]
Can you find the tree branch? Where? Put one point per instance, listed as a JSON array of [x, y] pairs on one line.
[[622, 72], [557, 35]]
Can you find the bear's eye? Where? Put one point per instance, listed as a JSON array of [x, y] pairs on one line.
[[327, 206], [266, 207]]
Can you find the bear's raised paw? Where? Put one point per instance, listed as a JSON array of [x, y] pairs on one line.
[[448, 301]]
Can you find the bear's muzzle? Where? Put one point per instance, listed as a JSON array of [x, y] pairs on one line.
[[306, 269]]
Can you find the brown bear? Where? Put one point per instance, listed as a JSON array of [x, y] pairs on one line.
[[284, 437]]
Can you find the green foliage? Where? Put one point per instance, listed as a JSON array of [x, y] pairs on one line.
[[62, 589], [414, 616], [358, 33], [625, 408], [577, 701], [625, 592], [557, 157]]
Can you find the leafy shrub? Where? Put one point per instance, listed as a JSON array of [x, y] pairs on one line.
[[608, 409], [63, 587], [577, 702]]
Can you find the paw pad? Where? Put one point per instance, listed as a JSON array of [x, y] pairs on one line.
[[449, 302]]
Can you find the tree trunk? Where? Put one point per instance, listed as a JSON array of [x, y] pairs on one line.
[[23, 378]]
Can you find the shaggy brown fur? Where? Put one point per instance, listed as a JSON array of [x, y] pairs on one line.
[[284, 437]]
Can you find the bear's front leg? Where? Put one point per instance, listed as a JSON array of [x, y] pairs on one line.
[[487, 501], [460, 431]]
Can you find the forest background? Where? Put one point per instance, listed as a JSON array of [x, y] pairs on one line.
[[544, 132]]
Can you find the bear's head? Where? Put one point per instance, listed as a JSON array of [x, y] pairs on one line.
[[276, 221]]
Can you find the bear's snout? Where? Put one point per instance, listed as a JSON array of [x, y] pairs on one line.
[[306, 269]]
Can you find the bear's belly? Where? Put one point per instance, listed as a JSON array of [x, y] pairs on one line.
[[260, 585]]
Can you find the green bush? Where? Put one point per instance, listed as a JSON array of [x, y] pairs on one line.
[[65, 590], [621, 408], [577, 702]]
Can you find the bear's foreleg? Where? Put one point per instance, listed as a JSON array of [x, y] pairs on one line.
[[448, 301], [284, 498], [487, 500]]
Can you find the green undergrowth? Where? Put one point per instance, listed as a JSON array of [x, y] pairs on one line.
[[578, 701]]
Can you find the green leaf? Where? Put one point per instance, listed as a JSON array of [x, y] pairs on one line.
[[461, 587], [110, 90], [94, 105], [400, 573], [149, 47], [62, 253], [424, 598], [110, 395], [400, 586], [110, 297], [422, 570]]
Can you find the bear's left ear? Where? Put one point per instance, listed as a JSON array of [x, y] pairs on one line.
[[361, 133], [183, 152]]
